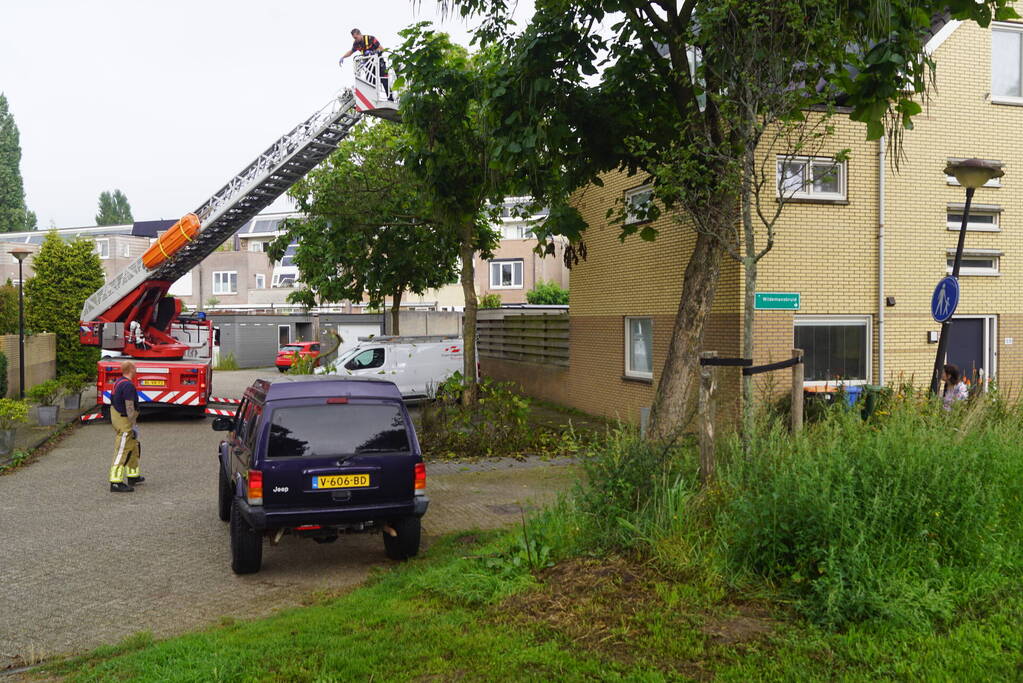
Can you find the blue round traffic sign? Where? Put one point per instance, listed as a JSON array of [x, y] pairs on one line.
[[945, 299]]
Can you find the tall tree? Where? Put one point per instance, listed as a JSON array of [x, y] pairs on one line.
[[64, 275], [114, 209], [365, 230], [445, 108], [592, 86], [14, 217]]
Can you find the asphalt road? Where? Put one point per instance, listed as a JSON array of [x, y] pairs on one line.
[[82, 567]]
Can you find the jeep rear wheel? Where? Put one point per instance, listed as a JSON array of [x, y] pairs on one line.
[[246, 543], [224, 495], [406, 543]]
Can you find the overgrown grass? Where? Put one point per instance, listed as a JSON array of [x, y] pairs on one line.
[[226, 361], [912, 519]]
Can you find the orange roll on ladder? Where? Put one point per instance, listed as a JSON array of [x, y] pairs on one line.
[[176, 237]]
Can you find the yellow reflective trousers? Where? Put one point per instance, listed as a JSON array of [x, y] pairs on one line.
[[126, 449]]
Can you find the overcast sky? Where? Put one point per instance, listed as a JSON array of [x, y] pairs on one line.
[[167, 101]]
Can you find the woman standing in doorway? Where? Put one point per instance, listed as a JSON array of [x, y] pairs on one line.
[[955, 388]]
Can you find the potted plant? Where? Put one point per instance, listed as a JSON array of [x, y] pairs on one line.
[[46, 395], [74, 384], [12, 413]]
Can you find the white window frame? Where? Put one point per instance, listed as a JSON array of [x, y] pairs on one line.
[[256, 246], [982, 210], [1006, 99], [126, 250], [286, 327], [994, 254], [808, 192], [104, 252], [260, 281], [632, 218], [218, 287], [836, 320], [501, 263], [629, 371]]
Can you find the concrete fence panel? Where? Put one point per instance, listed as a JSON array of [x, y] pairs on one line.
[[40, 359]]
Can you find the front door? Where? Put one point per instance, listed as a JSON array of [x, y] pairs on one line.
[[967, 348]]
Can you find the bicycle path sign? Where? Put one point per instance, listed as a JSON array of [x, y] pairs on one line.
[[945, 299]]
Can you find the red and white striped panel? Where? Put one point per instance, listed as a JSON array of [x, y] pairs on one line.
[[228, 401], [227, 412], [177, 398], [92, 417]]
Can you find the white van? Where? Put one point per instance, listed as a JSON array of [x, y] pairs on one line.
[[418, 365]]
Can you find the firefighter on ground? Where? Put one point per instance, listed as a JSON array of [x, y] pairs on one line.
[[124, 471], [368, 46]]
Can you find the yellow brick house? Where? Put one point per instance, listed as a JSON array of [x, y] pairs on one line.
[[864, 252]]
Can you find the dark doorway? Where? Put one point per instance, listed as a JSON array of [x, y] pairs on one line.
[[304, 331], [966, 347]]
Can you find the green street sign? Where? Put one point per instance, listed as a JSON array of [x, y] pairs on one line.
[[776, 301]]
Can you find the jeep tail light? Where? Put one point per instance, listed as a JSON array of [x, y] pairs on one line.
[[255, 493], [420, 477]]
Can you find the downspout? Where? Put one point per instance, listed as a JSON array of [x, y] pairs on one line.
[[880, 260]]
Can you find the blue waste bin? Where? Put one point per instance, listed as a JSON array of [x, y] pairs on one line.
[[852, 394]]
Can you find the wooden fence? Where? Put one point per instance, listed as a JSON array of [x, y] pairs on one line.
[[538, 339]]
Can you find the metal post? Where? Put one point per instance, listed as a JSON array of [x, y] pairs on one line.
[[21, 332], [797, 392], [939, 358], [706, 419]]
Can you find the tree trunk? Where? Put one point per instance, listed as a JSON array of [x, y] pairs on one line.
[[749, 264], [468, 278], [675, 402], [396, 313]]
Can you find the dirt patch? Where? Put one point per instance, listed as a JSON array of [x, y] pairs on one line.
[[619, 609]]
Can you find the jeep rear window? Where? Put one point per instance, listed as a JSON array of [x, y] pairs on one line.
[[337, 429]]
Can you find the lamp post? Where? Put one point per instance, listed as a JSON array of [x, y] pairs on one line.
[[971, 174], [21, 255]]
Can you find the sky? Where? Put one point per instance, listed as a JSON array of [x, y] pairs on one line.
[[168, 101]]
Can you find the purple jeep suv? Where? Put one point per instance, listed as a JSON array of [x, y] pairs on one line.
[[317, 455]]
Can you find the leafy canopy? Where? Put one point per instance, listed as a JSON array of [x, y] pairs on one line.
[[114, 209], [366, 229], [14, 217], [65, 274], [547, 293]]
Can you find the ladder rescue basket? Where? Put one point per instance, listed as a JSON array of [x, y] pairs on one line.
[[176, 237]]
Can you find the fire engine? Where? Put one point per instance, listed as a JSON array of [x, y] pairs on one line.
[[133, 314]]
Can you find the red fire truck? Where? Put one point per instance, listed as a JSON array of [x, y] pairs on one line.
[[133, 314]]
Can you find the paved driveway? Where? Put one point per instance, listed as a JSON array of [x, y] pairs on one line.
[[82, 567]]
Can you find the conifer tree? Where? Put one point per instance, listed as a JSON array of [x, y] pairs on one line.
[[14, 216], [114, 209]]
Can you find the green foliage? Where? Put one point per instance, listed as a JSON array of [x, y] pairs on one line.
[[366, 227], [46, 393], [499, 424], [302, 365], [547, 294], [3, 374], [75, 383], [66, 274], [492, 300], [14, 216], [8, 309], [12, 413], [114, 209], [911, 518], [227, 361]]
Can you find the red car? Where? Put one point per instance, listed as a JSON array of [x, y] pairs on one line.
[[286, 355]]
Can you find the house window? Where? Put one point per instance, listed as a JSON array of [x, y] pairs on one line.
[[834, 349], [103, 248], [1006, 60], [284, 279], [811, 178], [225, 282], [637, 204], [975, 262], [639, 348], [506, 274], [125, 250], [985, 220], [260, 281], [256, 245]]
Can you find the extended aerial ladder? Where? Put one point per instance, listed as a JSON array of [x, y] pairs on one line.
[[132, 313]]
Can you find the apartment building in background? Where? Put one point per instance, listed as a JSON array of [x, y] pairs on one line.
[[240, 277], [861, 243]]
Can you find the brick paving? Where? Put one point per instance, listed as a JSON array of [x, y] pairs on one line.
[[81, 567]]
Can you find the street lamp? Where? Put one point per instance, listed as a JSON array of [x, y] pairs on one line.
[[21, 255], [971, 174]]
